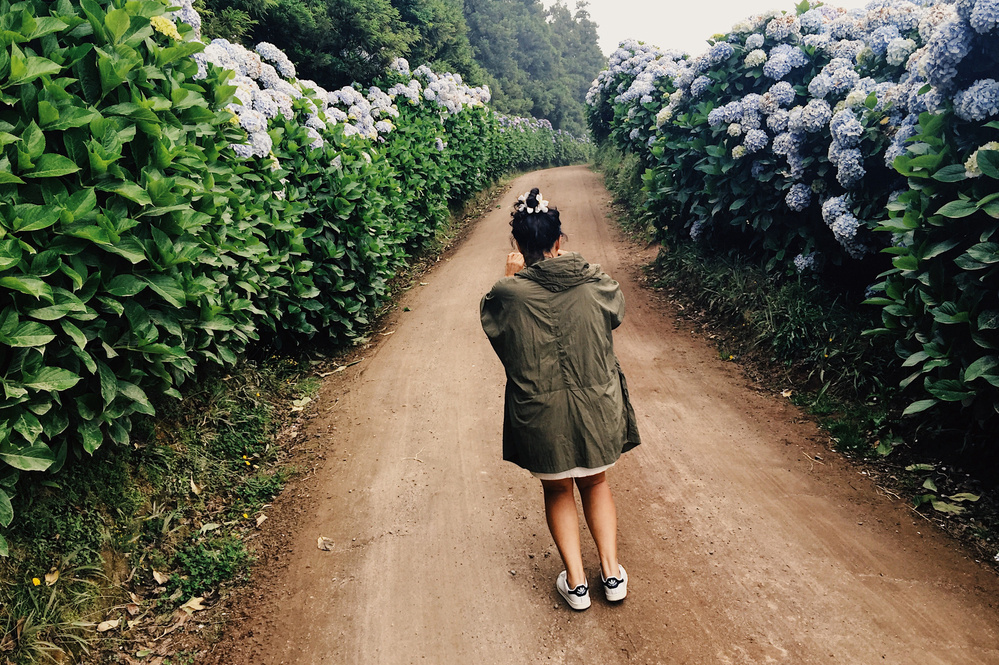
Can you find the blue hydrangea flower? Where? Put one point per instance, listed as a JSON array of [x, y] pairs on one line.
[[699, 86], [697, 230], [756, 140], [799, 197], [720, 52], [803, 262], [777, 122], [834, 207], [759, 168], [783, 92], [782, 59], [979, 102], [816, 115], [881, 37], [786, 143], [846, 129], [985, 16], [851, 168], [282, 63], [948, 46], [754, 41]]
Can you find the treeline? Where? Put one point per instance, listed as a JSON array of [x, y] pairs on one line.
[[536, 61]]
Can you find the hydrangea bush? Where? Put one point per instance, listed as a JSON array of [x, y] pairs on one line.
[[827, 141], [164, 203]]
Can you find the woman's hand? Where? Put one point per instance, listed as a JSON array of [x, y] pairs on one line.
[[514, 263]]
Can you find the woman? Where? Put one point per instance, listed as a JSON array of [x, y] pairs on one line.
[[567, 417]]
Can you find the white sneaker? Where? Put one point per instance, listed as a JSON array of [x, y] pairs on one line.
[[578, 598], [615, 588]]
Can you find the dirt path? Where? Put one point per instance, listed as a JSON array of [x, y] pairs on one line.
[[741, 547]]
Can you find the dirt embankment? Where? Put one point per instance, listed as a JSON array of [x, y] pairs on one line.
[[741, 545]]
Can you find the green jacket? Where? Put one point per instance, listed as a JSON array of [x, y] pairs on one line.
[[567, 401]]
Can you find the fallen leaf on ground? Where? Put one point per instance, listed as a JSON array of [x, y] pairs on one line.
[[51, 578], [182, 618], [105, 626], [261, 519], [211, 526], [132, 609], [300, 404], [325, 544], [786, 393], [160, 577], [193, 605], [195, 488], [387, 334]]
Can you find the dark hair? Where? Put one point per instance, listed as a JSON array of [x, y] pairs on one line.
[[535, 232]]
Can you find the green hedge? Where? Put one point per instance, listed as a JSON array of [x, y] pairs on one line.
[[152, 221], [857, 148]]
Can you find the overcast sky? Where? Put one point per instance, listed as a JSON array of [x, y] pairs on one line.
[[683, 24]]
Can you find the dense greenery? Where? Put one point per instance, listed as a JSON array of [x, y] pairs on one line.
[[160, 213], [839, 145], [537, 61]]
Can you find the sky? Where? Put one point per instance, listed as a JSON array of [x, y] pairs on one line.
[[682, 24]]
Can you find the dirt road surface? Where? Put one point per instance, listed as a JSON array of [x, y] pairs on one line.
[[741, 546]]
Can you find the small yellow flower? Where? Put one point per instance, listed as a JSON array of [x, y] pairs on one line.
[[246, 516], [36, 581], [165, 26]]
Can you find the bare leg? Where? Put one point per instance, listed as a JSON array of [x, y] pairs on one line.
[[563, 522], [601, 517]]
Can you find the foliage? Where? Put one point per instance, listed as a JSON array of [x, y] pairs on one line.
[[159, 212], [536, 61], [791, 140], [174, 502], [941, 298]]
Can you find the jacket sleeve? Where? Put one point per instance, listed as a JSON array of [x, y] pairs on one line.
[[493, 319], [611, 299]]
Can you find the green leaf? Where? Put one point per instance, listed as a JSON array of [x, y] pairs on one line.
[[945, 507], [951, 173], [920, 467], [30, 458], [138, 396], [27, 334], [129, 190], [117, 22], [964, 496], [91, 435], [52, 379], [959, 208], [34, 140], [125, 286], [919, 407], [23, 70], [109, 383], [988, 162], [981, 367], [985, 252], [29, 285], [4, 549], [167, 287], [6, 510], [928, 484], [52, 166]]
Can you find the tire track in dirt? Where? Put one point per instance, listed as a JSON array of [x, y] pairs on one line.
[[741, 547]]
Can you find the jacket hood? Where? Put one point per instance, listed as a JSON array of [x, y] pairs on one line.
[[561, 272]]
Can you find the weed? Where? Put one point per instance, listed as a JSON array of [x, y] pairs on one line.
[[207, 564]]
